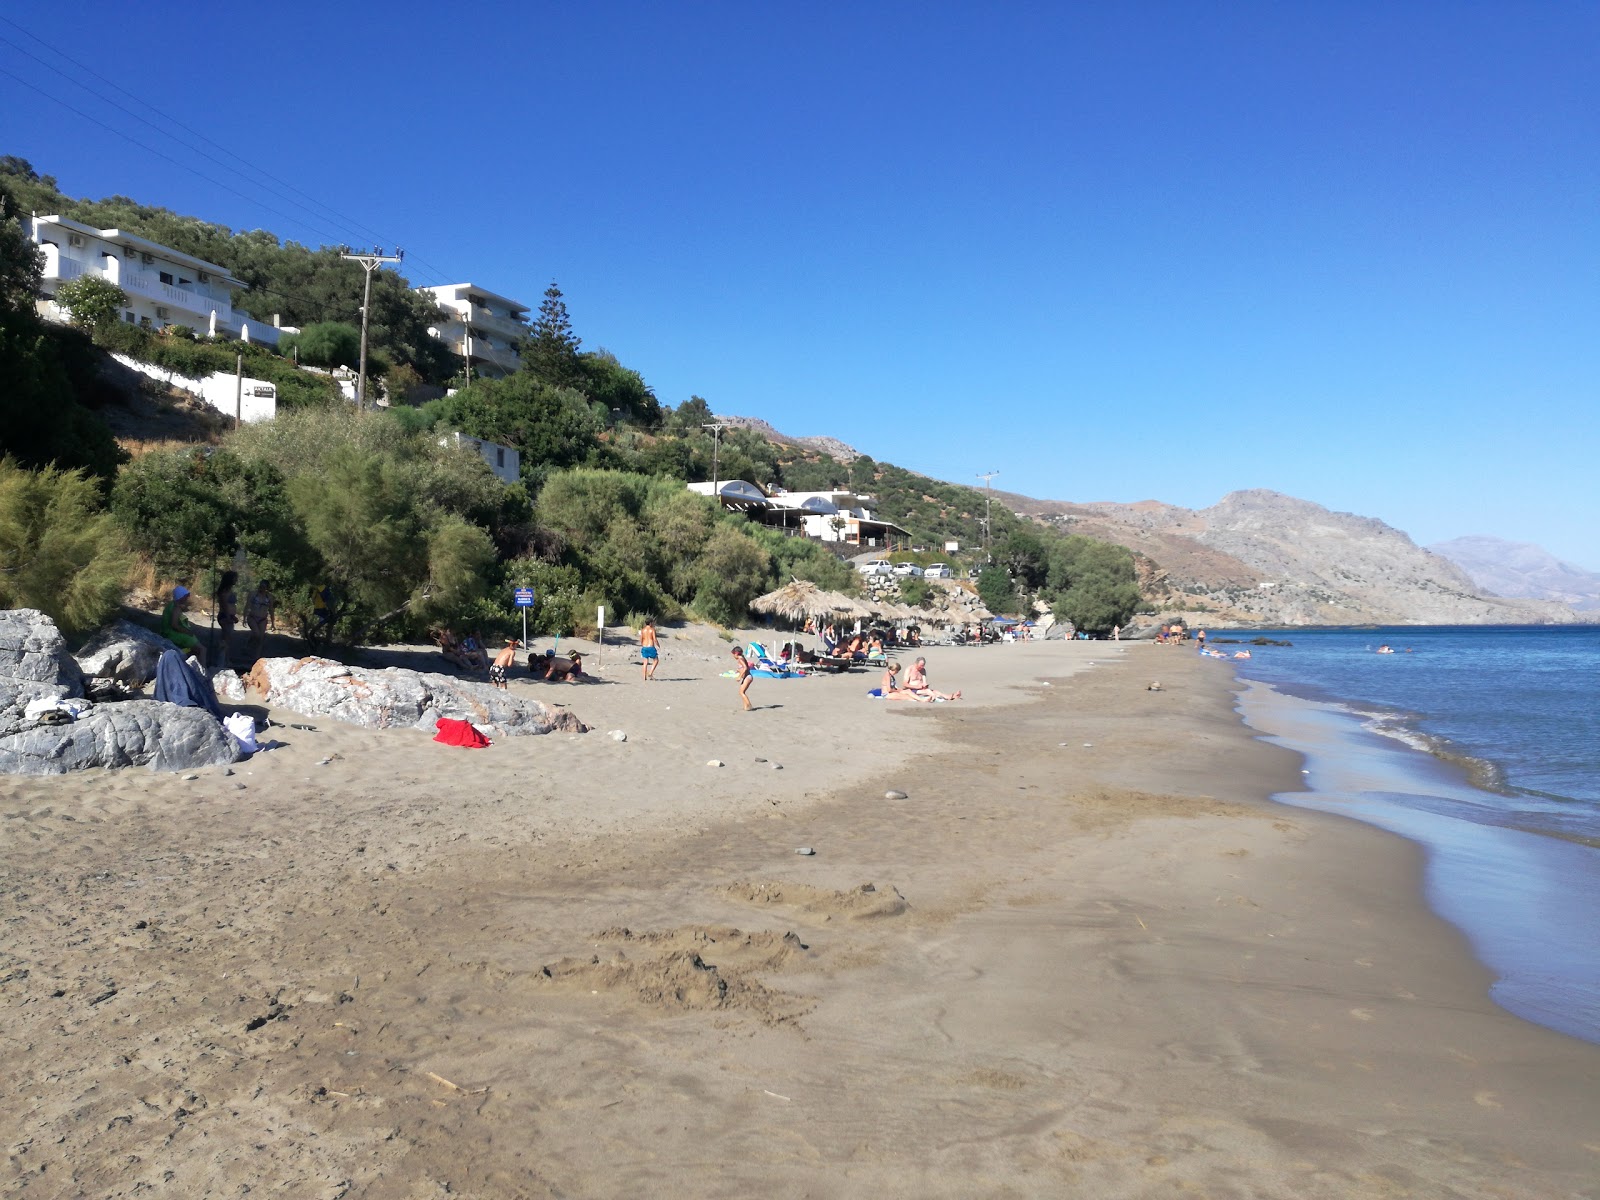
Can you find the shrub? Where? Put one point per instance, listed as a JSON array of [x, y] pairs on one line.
[[92, 300], [60, 551]]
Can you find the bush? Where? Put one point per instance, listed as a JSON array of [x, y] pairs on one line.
[[996, 591], [60, 551], [92, 300]]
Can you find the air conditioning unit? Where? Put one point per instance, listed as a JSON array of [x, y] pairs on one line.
[[205, 277], [75, 239], [162, 313], [148, 258]]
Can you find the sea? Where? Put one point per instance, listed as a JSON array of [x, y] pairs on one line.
[[1482, 745]]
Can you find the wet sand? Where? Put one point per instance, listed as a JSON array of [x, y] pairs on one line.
[[1083, 955]]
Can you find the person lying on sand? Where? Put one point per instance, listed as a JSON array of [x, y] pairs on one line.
[[567, 670], [917, 683]]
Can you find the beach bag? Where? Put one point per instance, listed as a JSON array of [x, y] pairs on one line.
[[243, 728]]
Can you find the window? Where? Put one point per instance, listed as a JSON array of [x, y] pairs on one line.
[[128, 317], [166, 277], [499, 456], [182, 282]]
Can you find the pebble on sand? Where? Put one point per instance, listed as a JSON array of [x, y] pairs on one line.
[[713, 762], [893, 795], [618, 735]]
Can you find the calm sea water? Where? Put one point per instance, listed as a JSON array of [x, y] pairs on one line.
[[1519, 706], [1481, 744]]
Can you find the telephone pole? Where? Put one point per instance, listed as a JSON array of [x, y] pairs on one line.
[[716, 428], [371, 262], [987, 477]]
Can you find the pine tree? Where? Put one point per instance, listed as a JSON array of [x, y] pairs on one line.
[[552, 351]]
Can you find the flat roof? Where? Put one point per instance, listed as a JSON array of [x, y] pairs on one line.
[[146, 246], [439, 289]]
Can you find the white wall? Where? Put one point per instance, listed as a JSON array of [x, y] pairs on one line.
[[259, 403]]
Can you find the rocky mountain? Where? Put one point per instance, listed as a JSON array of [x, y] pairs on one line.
[[1262, 557], [1258, 557], [830, 446], [1521, 569]]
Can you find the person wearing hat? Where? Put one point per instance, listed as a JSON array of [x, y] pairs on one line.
[[503, 661], [175, 625]]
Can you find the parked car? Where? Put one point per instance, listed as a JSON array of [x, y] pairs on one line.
[[876, 566], [939, 571], [907, 568]]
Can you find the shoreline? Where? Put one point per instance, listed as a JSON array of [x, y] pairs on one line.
[[1094, 954]]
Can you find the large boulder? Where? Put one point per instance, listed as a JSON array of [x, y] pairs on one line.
[[34, 664], [134, 733], [32, 650], [123, 651], [389, 698]]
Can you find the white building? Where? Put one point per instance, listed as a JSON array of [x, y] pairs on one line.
[[480, 326], [835, 516], [164, 286], [504, 461]]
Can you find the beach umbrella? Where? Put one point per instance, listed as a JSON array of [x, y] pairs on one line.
[[794, 601], [800, 598]]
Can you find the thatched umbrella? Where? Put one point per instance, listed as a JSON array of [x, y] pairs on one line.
[[794, 601], [800, 598]]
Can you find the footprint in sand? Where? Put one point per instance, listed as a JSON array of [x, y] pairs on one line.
[[1361, 1014]]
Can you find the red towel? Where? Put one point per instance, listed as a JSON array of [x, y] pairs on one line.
[[458, 733]]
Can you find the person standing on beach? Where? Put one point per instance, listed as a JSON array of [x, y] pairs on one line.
[[649, 649], [503, 662], [225, 604], [258, 612], [1200, 636], [742, 664]]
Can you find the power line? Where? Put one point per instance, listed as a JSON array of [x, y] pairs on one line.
[[327, 210]]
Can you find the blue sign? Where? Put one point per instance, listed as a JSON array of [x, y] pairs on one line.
[[523, 597]]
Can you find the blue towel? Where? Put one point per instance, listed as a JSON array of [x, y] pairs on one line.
[[179, 683]]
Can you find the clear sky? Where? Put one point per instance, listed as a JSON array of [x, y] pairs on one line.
[[1347, 251]]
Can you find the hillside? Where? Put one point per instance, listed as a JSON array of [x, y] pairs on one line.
[[1259, 556], [1523, 570]]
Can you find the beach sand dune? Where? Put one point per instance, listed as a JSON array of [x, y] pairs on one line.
[[1080, 955]]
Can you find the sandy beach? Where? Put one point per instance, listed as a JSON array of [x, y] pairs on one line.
[[1081, 955]]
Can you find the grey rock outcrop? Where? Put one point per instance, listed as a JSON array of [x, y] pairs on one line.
[[123, 651], [391, 698], [32, 650], [34, 663], [134, 733]]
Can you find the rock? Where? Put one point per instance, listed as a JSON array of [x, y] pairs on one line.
[[123, 651], [617, 735], [806, 851], [892, 795], [34, 662], [777, 766], [714, 762], [32, 650], [149, 733], [395, 698]]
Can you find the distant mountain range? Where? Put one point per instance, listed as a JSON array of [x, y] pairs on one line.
[[1521, 569], [1258, 557], [1261, 557]]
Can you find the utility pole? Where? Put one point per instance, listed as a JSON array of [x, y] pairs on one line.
[[987, 477], [716, 428], [371, 262]]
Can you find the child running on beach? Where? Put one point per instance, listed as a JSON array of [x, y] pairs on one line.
[[743, 665]]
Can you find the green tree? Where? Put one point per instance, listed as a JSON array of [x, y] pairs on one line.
[[21, 263], [60, 551], [733, 570], [92, 301], [996, 591], [550, 352], [551, 426], [326, 344]]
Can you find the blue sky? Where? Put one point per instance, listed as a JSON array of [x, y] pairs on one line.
[[1348, 251]]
